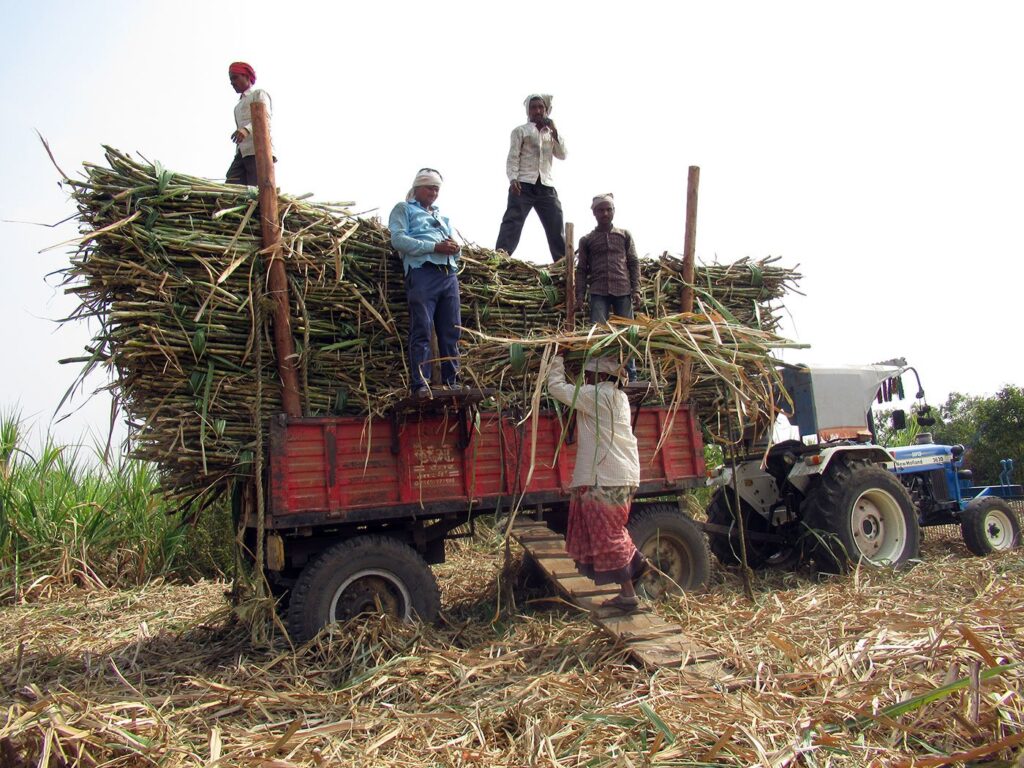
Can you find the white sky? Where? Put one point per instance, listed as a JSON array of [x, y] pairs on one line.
[[877, 145]]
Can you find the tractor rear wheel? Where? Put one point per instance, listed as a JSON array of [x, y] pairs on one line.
[[989, 525], [726, 546], [861, 513], [368, 574], [674, 544]]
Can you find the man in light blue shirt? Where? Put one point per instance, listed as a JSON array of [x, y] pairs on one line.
[[430, 258]]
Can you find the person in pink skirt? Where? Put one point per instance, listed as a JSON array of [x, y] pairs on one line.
[[605, 477]]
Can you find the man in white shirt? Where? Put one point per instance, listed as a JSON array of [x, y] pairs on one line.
[[533, 145], [604, 478], [243, 167]]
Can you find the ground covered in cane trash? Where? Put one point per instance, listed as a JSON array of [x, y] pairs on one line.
[[878, 668]]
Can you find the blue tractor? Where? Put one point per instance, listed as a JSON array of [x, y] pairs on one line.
[[834, 495], [944, 493]]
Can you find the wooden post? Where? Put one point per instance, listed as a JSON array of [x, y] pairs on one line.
[[570, 278], [690, 237], [689, 247], [277, 281]]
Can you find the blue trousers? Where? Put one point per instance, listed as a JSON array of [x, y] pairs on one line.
[[601, 307], [433, 295]]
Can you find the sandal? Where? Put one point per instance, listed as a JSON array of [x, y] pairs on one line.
[[621, 604]]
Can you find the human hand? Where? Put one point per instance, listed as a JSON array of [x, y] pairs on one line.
[[515, 188], [447, 247], [239, 136], [637, 300]]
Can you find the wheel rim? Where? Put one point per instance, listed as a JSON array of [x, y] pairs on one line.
[[671, 556], [878, 526], [363, 591], [998, 530]]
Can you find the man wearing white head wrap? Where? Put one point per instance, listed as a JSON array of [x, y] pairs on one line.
[[430, 258], [425, 177], [532, 147], [607, 266]]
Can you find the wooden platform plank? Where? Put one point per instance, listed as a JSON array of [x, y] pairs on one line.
[[650, 639], [537, 537], [549, 551], [582, 587], [557, 568]]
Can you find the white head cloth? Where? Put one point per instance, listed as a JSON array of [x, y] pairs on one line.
[[608, 197], [608, 365], [547, 98], [425, 177]]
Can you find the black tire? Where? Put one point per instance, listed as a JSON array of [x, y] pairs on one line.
[[675, 545], [726, 547], [989, 525], [860, 513], [351, 577], [281, 591]]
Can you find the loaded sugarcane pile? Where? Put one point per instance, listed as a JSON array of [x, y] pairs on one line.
[[170, 266]]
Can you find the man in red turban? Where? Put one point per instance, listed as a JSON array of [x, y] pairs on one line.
[[243, 167]]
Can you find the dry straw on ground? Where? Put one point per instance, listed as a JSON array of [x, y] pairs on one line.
[[169, 267], [880, 669]]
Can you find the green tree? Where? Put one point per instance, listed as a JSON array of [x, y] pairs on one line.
[[991, 428]]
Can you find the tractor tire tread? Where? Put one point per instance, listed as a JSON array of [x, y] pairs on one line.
[[825, 512], [393, 554], [972, 524], [647, 518]]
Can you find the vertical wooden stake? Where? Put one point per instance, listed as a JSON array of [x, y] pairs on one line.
[[570, 278], [277, 281], [690, 237], [689, 246]]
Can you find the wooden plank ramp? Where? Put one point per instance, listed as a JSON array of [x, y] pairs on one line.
[[650, 639]]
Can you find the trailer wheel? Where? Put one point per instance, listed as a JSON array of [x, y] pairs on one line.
[[726, 547], [989, 525], [356, 576], [861, 513], [675, 544]]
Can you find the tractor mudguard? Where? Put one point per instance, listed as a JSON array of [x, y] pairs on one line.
[[816, 463]]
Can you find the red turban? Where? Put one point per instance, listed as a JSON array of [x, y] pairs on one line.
[[241, 68]]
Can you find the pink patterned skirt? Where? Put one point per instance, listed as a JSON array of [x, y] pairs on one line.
[[597, 538]]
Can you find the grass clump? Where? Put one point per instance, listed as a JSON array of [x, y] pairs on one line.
[[69, 517]]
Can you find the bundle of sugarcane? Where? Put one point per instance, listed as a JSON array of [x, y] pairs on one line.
[[170, 266], [727, 368]]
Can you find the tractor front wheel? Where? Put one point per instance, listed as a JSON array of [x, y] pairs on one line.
[[989, 525]]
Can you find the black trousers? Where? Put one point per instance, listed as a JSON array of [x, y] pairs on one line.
[[242, 170], [549, 209]]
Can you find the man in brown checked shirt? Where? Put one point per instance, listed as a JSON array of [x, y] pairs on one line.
[[608, 268]]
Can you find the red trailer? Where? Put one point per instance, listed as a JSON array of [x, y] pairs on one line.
[[357, 508]]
